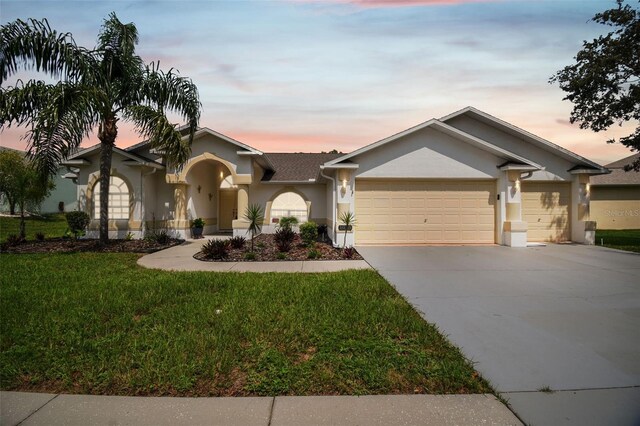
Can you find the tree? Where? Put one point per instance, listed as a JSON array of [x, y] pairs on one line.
[[604, 83], [96, 89], [22, 184], [10, 160]]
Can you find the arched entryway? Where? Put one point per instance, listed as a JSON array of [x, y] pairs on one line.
[[212, 195]]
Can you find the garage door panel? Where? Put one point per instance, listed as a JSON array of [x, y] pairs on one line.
[[546, 209], [423, 212]]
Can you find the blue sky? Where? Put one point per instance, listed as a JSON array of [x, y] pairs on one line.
[[302, 75]]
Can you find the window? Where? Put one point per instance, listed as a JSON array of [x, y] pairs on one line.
[[118, 199], [289, 204]]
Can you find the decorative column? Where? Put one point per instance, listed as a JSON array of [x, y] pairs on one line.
[[514, 228], [583, 230], [180, 218], [240, 225]]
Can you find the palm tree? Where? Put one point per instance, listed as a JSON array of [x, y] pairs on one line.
[[347, 219], [95, 89], [255, 216]]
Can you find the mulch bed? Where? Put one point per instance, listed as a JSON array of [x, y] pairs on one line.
[[266, 251], [65, 245]]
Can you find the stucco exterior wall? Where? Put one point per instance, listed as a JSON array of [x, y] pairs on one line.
[[88, 183], [65, 192], [428, 154], [616, 207], [555, 166], [223, 149]]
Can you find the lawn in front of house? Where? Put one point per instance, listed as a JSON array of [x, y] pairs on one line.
[[622, 239], [51, 225], [97, 323]]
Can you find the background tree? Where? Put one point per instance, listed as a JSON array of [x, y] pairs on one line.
[[604, 83], [9, 160], [96, 89], [23, 184]]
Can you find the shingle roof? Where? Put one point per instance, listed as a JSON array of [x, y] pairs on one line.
[[618, 176], [296, 167]]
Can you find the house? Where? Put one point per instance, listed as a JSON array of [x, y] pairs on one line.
[[615, 198], [466, 178], [64, 196]]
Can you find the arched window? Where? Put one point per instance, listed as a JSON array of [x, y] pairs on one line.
[[118, 199], [289, 204]]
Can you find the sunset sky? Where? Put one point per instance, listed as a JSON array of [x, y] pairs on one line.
[[304, 75]]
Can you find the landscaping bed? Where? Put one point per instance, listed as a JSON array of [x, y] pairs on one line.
[[69, 245], [621, 239], [97, 323], [266, 250]]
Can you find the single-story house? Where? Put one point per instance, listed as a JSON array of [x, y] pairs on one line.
[[466, 178], [63, 198], [615, 198]]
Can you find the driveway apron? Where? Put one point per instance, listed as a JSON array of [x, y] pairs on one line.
[[564, 318]]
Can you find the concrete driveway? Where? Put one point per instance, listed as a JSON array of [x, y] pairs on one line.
[[564, 317]]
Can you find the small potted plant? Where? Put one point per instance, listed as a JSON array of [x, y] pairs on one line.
[[197, 226]]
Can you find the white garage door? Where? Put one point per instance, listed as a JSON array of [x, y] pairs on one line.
[[545, 208], [424, 212]]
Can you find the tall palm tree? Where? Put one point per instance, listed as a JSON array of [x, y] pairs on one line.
[[95, 89]]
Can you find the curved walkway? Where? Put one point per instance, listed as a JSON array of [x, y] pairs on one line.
[[180, 258]]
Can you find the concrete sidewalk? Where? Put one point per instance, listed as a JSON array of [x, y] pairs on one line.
[[180, 258], [50, 409]]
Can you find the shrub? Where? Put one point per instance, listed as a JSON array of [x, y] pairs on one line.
[[309, 233], [348, 252], [216, 249], [250, 256], [40, 236], [161, 237], [322, 231], [237, 242], [313, 254], [284, 238], [14, 240], [260, 245], [197, 223], [128, 237], [287, 222], [78, 222], [281, 256]]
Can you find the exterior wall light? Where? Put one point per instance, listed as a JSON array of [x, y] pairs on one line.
[[344, 184], [221, 175], [588, 187], [517, 184]]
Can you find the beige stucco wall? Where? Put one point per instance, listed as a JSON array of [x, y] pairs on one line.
[[616, 207]]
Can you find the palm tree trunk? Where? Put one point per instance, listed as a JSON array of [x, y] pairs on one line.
[[23, 233], [107, 134]]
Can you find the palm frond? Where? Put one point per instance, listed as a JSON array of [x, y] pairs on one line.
[[162, 135], [33, 44], [116, 45], [169, 91]]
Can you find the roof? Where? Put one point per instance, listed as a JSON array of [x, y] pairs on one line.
[[518, 132], [618, 176], [296, 167], [135, 158], [444, 128]]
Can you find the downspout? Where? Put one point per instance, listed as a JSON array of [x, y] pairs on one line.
[[333, 204]]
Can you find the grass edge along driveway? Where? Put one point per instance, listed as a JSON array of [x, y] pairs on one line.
[[99, 324]]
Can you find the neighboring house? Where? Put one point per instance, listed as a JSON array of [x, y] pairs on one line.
[[65, 193], [615, 198], [467, 178]]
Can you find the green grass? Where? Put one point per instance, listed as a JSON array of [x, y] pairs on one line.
[[99, 324], [626, 239], [52, 225]]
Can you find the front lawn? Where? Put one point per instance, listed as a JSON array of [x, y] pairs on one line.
[[97, 323], [625, 239], [51, 225]]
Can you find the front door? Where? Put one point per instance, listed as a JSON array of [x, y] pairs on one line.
[[228, 209]]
